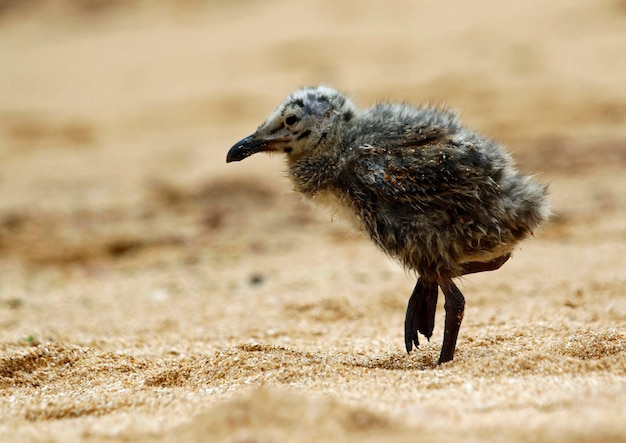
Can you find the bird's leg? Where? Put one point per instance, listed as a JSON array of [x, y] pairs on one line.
[[474, 267], [455, 308], [455, 303], [420, 312]]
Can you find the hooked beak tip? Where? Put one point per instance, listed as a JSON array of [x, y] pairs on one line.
[[244, 148], [252, 144]]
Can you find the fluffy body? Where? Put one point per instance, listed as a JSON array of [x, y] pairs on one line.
[[429, 192], [442, 199]]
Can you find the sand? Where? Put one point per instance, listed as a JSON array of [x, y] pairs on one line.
[[150, 292]]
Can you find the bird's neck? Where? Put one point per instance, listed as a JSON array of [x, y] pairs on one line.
[[313, 173]]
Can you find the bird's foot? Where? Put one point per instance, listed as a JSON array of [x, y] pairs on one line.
[[420, 313]]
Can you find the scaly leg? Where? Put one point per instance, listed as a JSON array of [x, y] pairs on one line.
[[420, 312], [455, 308]]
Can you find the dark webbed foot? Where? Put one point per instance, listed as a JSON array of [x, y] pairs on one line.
[[420, 313], [455, 309]]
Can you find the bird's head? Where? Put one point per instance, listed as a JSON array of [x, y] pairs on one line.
[[306, 121]]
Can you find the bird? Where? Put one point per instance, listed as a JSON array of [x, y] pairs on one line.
[[442, 199]]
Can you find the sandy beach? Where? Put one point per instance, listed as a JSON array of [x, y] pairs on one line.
[[150, 292]]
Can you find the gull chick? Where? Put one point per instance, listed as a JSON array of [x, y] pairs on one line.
[[441, 199]]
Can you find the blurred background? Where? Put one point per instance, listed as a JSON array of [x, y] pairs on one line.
[[116, 116], [158, 280], [99, 96]]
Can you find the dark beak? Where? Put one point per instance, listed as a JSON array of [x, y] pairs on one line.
[[245, 148]]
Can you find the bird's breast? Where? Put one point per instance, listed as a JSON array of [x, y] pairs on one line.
[[338, 207]]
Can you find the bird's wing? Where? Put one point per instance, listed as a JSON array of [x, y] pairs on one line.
[[423, 168]]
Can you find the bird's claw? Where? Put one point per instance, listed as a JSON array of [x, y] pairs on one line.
[[411, 342]]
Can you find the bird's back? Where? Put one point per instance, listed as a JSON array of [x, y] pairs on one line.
[[432, 193]]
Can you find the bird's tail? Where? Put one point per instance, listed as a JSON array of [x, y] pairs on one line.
[[529, 202]]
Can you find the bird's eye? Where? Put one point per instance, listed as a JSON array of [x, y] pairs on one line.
[[291, 120]]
